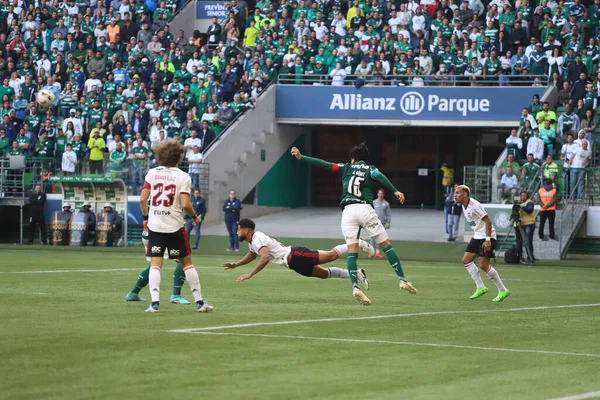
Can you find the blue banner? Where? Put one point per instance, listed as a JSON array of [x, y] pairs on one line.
[[403, 103], [210, 9]]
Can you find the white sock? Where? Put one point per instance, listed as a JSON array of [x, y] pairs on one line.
[[154, 283], [338, 273], [341, 249], [474, 272], [191, 276], [493, 275]]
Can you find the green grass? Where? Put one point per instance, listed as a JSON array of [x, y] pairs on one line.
[[72, 335]]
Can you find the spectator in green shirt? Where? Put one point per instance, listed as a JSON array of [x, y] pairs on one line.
[[4, 143]]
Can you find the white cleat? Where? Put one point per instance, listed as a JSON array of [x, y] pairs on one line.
[[152, 308], [205, 307], [360, 296], [366, 247], [362, 277], [405, 285]]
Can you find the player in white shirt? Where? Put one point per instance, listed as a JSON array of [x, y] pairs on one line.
[[482, 244], [300, 259], [168, 190]]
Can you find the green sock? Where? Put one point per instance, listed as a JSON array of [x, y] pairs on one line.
[[142, 281], [394, 261], [351, 264], [178, 279]]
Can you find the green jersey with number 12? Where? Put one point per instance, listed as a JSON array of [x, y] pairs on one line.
[[358, 184]]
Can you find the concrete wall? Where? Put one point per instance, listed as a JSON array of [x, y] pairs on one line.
[[186, 21], [235, 160]]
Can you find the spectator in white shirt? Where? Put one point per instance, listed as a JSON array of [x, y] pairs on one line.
[[69, 160], [404, 15], [76, 122], [568, 148], [508, 186], [340, 24], [535, 146], [512, 141], [394, 22], [337, 75], [194, 160], [162, 137], [113, 145], [579, 161], [192, 141], [91, 82], [525, 116]]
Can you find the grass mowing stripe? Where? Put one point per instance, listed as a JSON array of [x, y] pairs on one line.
[[582, 396], [453, 346], [309, 321]]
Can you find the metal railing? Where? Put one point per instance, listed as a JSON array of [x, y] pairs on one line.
[[19, 182], [405, 80], [570, 219]]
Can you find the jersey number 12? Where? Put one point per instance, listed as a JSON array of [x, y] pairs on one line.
[[354, 186]]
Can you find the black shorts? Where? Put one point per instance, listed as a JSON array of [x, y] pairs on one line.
[[303, 260], [176, 243], [476, 246]]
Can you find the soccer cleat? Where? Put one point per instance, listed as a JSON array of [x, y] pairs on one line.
[[478, 293], [378, 255], [501, 296], [178, 299], [366, 247], [370, 256], [360, 296], [152, 308], [406, 285], [362, 277], [204, 307], [131, 296]]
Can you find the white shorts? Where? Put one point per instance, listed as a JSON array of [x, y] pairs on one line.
[[357, 216]]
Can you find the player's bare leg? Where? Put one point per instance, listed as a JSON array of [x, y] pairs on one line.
[[154, 282], [503, 292], [191, 276], [394, 261]]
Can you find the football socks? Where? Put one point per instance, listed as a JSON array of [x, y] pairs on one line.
[[142, 281], [351, 264], [178, 279], [394, 261]]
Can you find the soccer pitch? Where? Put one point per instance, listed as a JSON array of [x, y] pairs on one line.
[[67, 333]]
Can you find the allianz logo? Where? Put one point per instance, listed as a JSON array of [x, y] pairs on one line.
[[411, 103]]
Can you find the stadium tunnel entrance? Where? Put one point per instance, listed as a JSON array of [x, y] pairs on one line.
[[409, 156]]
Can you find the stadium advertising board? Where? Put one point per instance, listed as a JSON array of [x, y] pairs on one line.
[[403, 103], [210, 9]]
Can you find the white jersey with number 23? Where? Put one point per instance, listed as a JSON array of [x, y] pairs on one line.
[[474, 213], [165, 185]]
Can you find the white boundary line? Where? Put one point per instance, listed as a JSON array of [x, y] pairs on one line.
[[66, 271], [453, 346], [582, 396], [309, 321]]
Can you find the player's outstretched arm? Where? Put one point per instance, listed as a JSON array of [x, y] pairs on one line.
[[315, 161], [381, 178], [245, 260], [264, 260]]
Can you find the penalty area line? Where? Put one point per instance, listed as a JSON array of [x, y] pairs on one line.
[[419, 344], [417, 314]]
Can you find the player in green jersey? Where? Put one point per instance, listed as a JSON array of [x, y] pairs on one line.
[[142, 281], [358, 187]]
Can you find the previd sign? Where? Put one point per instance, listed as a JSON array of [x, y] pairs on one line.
[[403, 103], [210, 9]]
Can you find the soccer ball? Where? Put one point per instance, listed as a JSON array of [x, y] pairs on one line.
[[45, 98]]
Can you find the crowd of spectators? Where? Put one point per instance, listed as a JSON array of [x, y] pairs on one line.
[[122, 84], [551, 147]]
